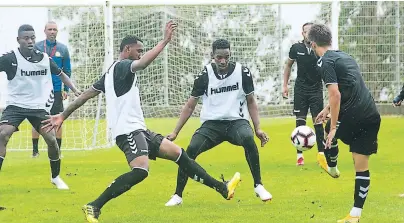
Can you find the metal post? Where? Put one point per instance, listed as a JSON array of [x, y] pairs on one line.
[[335, 8], [281, 60], [398, 81]]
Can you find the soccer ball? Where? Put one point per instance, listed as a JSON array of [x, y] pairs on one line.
[[303, 138]]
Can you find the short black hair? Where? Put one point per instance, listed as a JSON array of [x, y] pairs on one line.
[[320, 34], [128, 40], [307, 24], [25, 27], [220, 44]]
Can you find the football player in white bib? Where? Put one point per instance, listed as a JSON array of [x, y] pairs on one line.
[[30, 95], [126, 122], [227, 92]]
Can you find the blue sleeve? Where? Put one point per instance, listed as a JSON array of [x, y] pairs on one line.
[[67, 69]]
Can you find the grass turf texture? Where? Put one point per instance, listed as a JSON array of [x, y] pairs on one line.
[[304, 194]]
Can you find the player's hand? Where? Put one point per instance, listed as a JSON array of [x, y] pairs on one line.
[[397, 101], [64, 95], [262, 136], [322, 116], [172, 136], [169, 30], [330, 137], [53, 122], [285, 92], [77, 93]]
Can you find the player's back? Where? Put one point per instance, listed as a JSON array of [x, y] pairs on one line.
[[356, 99]]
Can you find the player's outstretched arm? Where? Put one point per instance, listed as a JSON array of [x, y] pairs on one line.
[[150, 55], [186, 112], [68, 82], [55, 121], [253, 110]]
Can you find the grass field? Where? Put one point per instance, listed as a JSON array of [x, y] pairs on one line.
[[300, 194]]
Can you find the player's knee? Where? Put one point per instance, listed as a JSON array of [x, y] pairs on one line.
[[141, 162], [192, 150], [5, 136]]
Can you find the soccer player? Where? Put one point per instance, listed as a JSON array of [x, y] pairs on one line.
[[126, 121], [60, 54], [30, 95], [354, 120], [397, 102], [228, 101], [308, 91]]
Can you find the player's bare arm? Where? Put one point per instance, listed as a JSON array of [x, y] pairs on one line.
[[335, 100], [399, 98], [55, 121], [186, 112], [322, 116], [149, 56], [68, 82], [253, 110], [286, 76]]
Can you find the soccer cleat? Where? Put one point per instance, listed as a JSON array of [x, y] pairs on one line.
[[91, 213], [333, 172], [349, 219], [231, 185], [35, 154], [60, 184], [300, 161], [175, 200], [321, 161], [262, 193], [401, 195]]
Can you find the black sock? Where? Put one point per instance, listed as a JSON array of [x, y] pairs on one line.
[[300, 122], [318, 128], [331, 154], [197, 173], [182, 179], [59, 142], [55, 168], [120, 185], [35, 145], [1, 161], [362, 182], [253, 160]]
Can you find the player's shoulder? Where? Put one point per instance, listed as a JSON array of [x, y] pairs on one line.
[[61, 46], [298, 44], [245, 70], [8, 54]]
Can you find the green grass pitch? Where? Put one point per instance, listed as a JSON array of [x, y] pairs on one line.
[[300, 194]]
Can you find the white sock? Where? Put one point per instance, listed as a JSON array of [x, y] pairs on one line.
[[322, 153], [332, 169], [299, 155], [356, 212]]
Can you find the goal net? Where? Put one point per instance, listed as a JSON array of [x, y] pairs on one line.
[[260, 37]]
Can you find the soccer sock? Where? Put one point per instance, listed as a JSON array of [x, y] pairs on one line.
[[35, 144], [362, 183], [331, 154], [1, 161], [182, 180], [318, 128], [253, 160], [59, 141], [55, 167], [197, 173], [120, 185], [300, 122]]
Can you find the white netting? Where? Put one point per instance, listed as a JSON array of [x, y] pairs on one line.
[[260, 35]]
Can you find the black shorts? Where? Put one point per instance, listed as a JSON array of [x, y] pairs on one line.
[[232, 131], [303, 101], [57, 107], [361, 136], [14, 115], [140, 143]]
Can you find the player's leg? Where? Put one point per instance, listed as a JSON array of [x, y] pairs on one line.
[[363, 145], [35, 141], [10, 120], [331, 154], [205, 138], [35, 117], [57, 108], [165, 149], [300, 109], [135, 148], [240, 133], [316, 105]]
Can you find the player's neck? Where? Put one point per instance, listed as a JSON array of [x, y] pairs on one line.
[[25, 52], [322, 50], [51, 41]]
